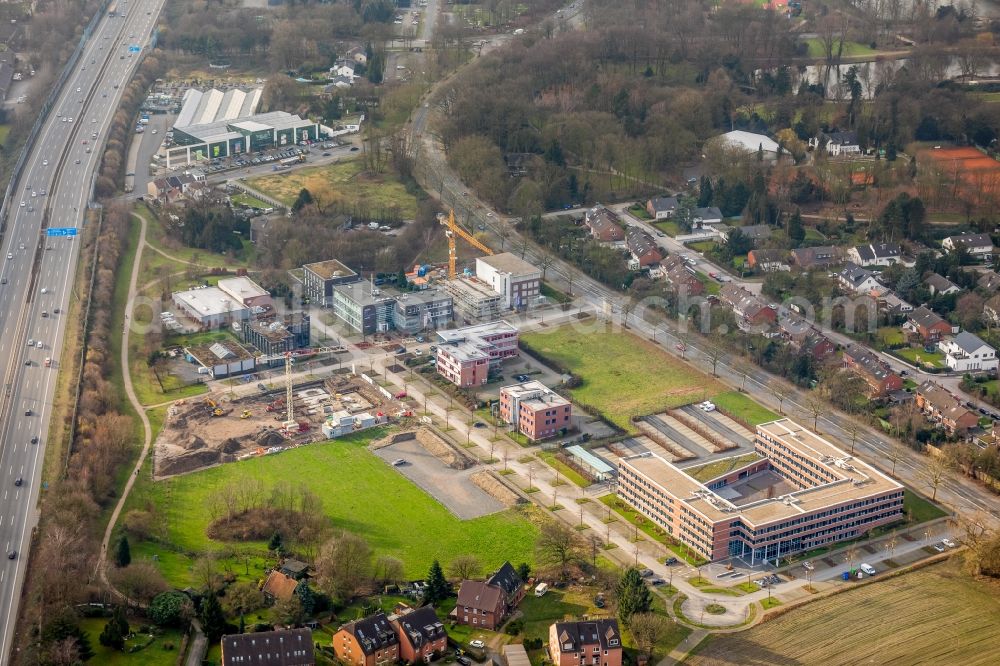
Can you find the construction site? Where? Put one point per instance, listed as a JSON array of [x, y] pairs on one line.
[[222, 427]]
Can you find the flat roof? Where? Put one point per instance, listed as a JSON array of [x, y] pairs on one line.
[[509, 263], [329, 269], [854, 480], [535, 394], [591, 460], [464, 351], [472, 289], [209, 301], [251, 123], [218, 353], [476, 331], [242, 287]]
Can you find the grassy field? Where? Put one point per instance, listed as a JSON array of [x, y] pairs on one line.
[[935, 615], [242, 199], [565, 471], [153, 655], [891, 336], [361, 494], [669, 227], [743, 408], [920, 357], [920, 509], [623, 375], [342, 183], [718, 467], [851, 49]]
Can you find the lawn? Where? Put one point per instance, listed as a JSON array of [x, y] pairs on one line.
[[152, 655], [851, 49], [891, 336], [742, 408], [921, 510], [703, 246], [920, 357], [934, 615], [344, 184], [623, 375], [565, 471], [361, 494], [669, 227], [242, 199], [639, 212], [717, 468]]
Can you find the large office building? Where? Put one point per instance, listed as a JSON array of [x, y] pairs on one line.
[[474, 299], [813, 494], [368, 309], [517, 281], [282, 335], [319, 279], [467, 356], [214, 124]]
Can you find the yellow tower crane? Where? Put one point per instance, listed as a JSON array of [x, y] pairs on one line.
[[454, 230]]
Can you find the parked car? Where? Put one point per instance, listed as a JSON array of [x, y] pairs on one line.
[[670, 561], [477, 644], [949, 543]]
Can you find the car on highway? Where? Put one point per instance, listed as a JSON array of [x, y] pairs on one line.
[[34, 439], [45, 162], [41, 193], [18, 481], [71, 119], [79, 89], [48, 362], [12, 555], [23, 204], [10, 255], [39, 344], [28, 412]]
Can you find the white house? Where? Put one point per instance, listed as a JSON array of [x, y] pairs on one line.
[[662, 208], [876, 254], [859, 281], [968, 353], [837, 143], [979, 246], [343, 69], [939, 285]]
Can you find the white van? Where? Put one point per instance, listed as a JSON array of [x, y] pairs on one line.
[[541, 589], [867, 569]]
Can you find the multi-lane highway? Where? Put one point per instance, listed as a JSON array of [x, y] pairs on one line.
[[52, 191]]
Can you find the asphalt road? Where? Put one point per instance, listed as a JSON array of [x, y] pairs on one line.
[[61, 166]]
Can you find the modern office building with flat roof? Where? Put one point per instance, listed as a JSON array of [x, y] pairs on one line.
[[535, 410], [319, 279], [803, 492], [368, 309], [467, 355]]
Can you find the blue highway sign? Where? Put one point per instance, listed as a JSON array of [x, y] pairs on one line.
[[61, 231]]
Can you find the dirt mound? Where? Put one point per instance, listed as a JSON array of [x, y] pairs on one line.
[[269, 438], [495, 488], [437, 446], [391, 439], [187, 462], [230, 446], [194, 444], [253, 525]]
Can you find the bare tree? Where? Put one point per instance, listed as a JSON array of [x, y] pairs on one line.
[[894, 454], [387, 570], [853, 430], [647, 629], [558, 545], [465, 567], [815, 406], [545, 262], [207, 573], [935, 472], [243, 598], [343, 565], [714, 354], [780, 394]]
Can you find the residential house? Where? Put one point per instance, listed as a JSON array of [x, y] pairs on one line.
[[681, 277], [877, 374], [820, 256], [709, 215], [338, 83], [939, 285], [991, 310], [768, 260], [662, 208], [989, 281], [370, 641], [943, 408], [605, 225], [817, 345], [586, 643], [358, 54], [344, 69], [286, 647], [979, 246], [837, 143], [755, 232], [643, 248], [279, 586], [857, 280], [297, 569], [421, 635], [517, 164], [891, 303], [750, 309], [927, 324], [876, 254], [968, 353], [488, 604]]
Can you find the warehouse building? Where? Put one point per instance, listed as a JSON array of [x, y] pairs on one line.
[[249, 293], [210, 306], [215, 124], [802, 493]]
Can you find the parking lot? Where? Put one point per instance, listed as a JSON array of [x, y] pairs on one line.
[[452, 488]]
